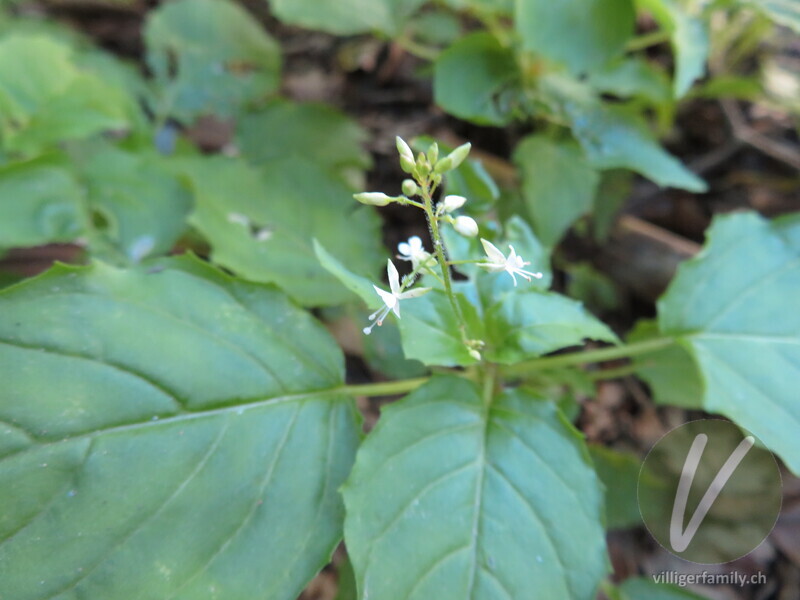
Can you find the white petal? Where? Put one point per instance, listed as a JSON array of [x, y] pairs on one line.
[[415, 293], [388, 299], [396, 309], [415, 242], [404, 248], [394, 277], [495, 256]]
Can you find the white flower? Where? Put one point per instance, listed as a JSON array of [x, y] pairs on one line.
[[466, 226], [452, 202], [391, 300], [413, 250], [512, 265]]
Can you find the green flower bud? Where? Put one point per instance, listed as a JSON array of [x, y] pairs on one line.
[[444, 165], [373, 198], [409, 187], [408, 165], [404, 149], [433, 153], [454, 159]]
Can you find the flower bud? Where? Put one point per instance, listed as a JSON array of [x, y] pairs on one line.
[[404, 149], [373, 198], [433, 153], [409, 187], [408, 165], [454, 159], [474, 354], [466, 226], [452, 202]]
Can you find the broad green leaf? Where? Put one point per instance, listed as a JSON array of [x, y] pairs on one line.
[[45, 98], [170, 431], [558, 184], [346, 17], [383, 352], [261, 224], [613, 138], [209, 56], [784, 12], [317, 132], [40, 203], [632, 78], [733, 308], [477, 79], [671, 372], [619, 472], [788, 226], [641, 588], [612, 192], [527, 323], [144, 207], [430, 330], [690, 41], [582, 34], [474, 500]]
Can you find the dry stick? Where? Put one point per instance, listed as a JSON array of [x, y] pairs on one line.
[[781, 151]]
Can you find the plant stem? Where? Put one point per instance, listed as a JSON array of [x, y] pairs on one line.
[[417, 49], [438, 249], [616, 373], [588, 356], [489, 382], [385, 388], [648, 39]]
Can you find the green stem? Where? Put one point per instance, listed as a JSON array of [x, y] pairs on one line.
[[616, 373], [588, 356], [489, 382], [417, 49], [386, 388], [438, 249], [648, 39]]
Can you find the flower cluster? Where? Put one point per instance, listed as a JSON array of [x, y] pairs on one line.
[[426, 170]]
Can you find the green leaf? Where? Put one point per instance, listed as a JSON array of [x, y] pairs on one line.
[[641, 588], [346, 17], [690, 41], [474, 500], [45, 98], [632, 78], [732, 307], [582, 34], [619, 472], [171, 431], [528, 323], [209, 56], [558, 184], [658, 369], [784, 12], [317, 132], [143, 205], [261, 223], [40, 202], [477, 79], [430, 330], [613, 138]]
